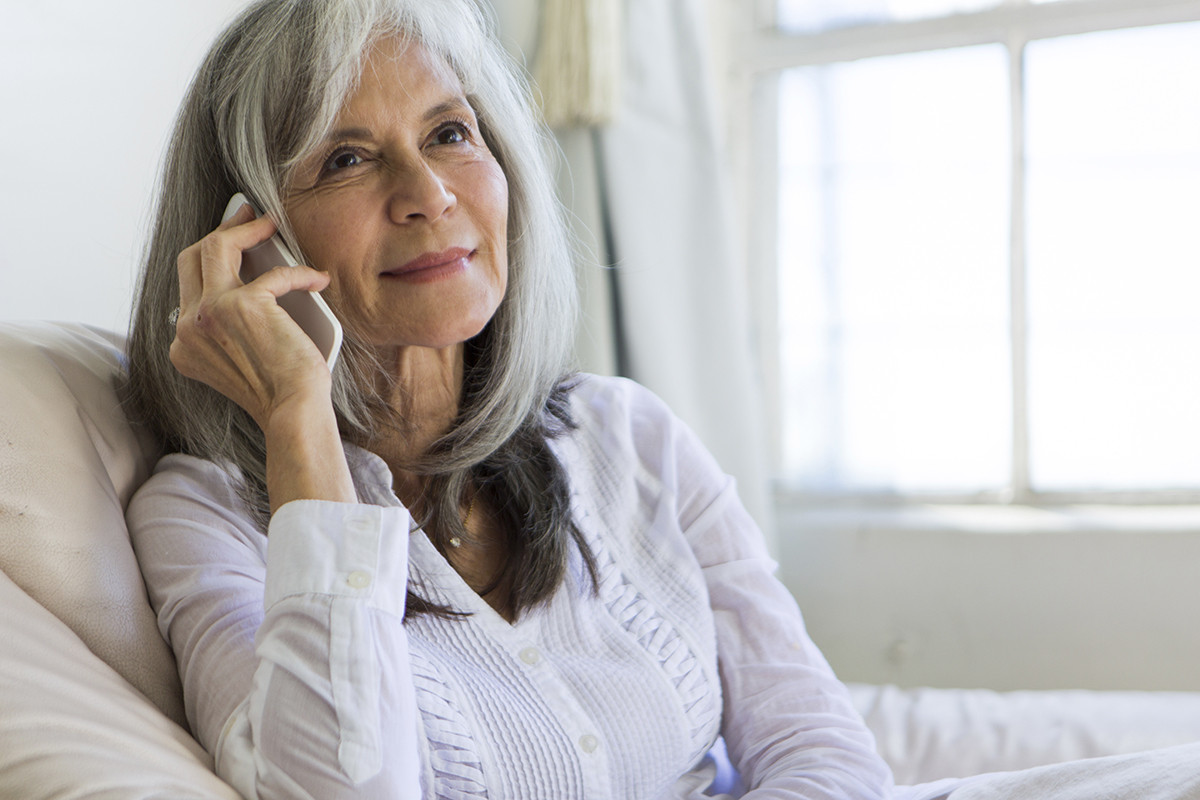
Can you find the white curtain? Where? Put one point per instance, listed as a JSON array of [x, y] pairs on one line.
[[650, 196]]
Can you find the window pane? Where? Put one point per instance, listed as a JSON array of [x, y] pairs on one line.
[[816, 15], [1113, 156], [894, 203]]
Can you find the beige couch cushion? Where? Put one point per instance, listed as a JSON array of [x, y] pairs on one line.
[[70, 726], [90, 700]]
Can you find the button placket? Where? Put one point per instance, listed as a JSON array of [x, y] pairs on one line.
[[542, 671]]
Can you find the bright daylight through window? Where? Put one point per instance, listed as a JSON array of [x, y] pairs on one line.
[[988, 254]]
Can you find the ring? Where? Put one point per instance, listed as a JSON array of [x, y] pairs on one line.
[[173, 317]]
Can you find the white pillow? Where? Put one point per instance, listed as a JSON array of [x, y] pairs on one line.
[[90, 701]]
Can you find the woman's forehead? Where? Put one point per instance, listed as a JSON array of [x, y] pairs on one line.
[[400, 68]]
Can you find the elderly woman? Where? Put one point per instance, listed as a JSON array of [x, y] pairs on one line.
[[449, 568]]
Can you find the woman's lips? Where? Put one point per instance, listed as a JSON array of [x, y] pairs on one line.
[[432, 266]]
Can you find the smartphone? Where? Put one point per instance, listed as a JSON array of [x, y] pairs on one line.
[[307, 308]]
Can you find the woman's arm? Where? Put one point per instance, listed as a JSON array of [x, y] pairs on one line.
[[789, 724], [237, 339], [292, 654]]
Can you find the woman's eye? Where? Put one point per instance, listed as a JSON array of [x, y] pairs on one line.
[[343, 160], [451, 134]]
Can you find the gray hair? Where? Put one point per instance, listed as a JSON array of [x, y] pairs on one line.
[[265, 97]]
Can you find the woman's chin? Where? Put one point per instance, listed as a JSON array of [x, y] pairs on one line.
[[435, 337]]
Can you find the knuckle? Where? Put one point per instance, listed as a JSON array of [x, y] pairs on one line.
[[191, 249], [180, 359], [187, 257], [207, 315], [210, 246]]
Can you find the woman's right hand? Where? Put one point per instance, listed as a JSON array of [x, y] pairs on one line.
[[236, 338]]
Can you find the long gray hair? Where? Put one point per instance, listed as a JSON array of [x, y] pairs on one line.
[[265, 97]]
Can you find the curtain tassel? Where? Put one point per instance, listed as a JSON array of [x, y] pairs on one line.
[[579, 61]]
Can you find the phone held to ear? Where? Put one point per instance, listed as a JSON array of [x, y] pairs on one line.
[[308, 309]]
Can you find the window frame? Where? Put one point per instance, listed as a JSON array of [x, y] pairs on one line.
[[757, 54]]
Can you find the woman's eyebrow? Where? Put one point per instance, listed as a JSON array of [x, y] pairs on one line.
[[451, 104], [349, 133]]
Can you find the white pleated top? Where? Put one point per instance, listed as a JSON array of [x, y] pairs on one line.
[[303, 679]]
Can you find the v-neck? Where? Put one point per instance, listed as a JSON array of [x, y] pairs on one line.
[[427, 565], [431, 567]]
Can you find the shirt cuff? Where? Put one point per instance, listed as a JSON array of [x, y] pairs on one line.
[[339, 549]]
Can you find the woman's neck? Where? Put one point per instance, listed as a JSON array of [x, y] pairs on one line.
[[423, 393]]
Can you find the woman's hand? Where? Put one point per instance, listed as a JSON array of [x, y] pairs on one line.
[[237, 339], [234, 336]]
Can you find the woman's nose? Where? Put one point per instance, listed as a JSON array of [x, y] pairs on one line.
[[419, 193]]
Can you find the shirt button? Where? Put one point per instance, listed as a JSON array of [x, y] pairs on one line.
[[530, 655], [359, 579], [588, 743]]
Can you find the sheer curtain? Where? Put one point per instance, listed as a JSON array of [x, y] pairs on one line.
[[664, 293]]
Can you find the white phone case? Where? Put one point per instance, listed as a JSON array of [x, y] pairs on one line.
[[307, 308]]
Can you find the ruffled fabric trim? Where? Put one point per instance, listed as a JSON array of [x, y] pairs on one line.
[[662, 641], [457, 770]]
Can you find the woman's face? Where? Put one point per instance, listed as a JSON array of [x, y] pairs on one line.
[[405, 206]]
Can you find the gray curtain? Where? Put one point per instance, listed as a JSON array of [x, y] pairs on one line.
[[664, 287]]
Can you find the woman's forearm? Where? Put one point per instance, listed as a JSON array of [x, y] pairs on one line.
[[305, 459]]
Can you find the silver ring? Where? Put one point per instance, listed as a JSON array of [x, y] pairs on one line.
[[173, 317]]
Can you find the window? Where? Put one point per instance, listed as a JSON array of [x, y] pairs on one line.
[[982, 221]]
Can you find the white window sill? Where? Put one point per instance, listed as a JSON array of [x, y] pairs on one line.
[[990, 519]]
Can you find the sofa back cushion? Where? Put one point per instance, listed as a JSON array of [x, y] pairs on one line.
[[69, 462], [70, 726], [90, 701]]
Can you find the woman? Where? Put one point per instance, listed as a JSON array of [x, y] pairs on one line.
[[484, 578]]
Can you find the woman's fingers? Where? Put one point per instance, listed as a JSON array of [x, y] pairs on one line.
[[239, 217], [282, 280], [190, 285], [221, 251], [213, 262]]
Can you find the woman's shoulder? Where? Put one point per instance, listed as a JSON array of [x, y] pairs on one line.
[[626, 417], [588, 385], [192, 496], [617, 405], [181, 476], [632, 447]]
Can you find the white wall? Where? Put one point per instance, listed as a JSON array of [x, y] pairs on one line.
[[1008, 598], [88, 91]]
